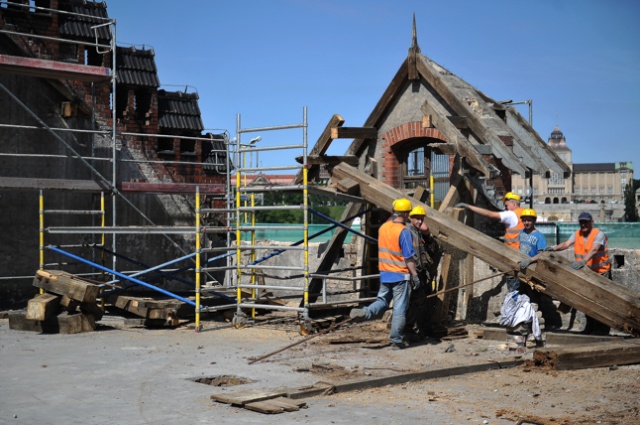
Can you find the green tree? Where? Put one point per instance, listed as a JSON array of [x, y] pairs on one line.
[[630, 210]]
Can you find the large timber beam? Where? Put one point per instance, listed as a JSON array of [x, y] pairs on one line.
[[607, 301]]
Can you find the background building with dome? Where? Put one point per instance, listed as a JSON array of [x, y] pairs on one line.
[[594, 187]]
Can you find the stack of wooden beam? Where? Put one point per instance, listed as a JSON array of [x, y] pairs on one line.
[[67, 304]]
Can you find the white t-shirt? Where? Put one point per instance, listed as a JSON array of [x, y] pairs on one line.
[[509, 218]]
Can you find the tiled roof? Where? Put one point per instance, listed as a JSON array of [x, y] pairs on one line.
[[74, 26], [136, 67], [179, 111]]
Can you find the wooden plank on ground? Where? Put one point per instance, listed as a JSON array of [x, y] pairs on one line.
[[552, 338], [600, 354], [63, 283], [275, 405], [581, 289], [242, 397], [43, 307]]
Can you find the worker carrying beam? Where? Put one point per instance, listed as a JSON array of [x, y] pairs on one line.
[[398, 274]]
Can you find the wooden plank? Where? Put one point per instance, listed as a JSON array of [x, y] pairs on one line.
[[242, 397], [62, 283], [347, 186], [354, 133], [600, 354], [329, 159], [275, 405], [72, 323], [19, 322], [264, 407], [552, 274], [552, 338], [43, 307]]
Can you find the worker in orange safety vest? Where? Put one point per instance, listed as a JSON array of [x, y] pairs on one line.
[[591, 249]]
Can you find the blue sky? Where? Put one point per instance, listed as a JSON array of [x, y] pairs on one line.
[[578, 60]]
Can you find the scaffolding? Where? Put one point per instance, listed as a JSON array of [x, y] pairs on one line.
[[69, 69]]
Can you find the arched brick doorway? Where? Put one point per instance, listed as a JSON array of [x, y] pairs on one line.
[[408, 161]]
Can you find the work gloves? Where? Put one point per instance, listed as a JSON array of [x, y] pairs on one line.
[[549, 248], [524, 264], [577, 265], [461, 205], [415, 282]]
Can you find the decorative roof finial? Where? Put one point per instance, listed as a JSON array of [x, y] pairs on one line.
[[414, 39]]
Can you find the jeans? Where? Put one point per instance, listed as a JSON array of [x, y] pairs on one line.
[[400, 293]]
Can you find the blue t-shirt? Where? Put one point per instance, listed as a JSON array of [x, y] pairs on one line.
[[532, 243], [406, 244]]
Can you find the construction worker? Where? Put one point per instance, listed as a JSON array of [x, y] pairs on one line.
[[510, 218], [519, 309], [398, 274], [414, 327], [591, 249], [531, 241]]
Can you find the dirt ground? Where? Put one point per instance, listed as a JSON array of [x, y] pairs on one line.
[[152, 371], [525, 393]]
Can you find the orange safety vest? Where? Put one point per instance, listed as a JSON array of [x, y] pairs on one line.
[[390, 258], [511, 236], [599, 263]]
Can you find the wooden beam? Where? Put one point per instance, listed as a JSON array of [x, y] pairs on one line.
[[463, 146], [329, 159], [354, 133], [43, 307], [63, 283], [584, 356], [584, 290]]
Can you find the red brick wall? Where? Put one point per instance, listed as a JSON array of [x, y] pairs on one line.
[[392, 140]]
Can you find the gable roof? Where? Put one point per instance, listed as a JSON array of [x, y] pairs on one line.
[[492, 127]]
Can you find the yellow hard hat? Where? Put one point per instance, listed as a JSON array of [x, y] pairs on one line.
[[402, 205], [417, 211], [511, 196], [529, 213]]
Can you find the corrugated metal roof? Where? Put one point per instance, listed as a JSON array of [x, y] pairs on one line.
[[136, 67], [179, 111], [75, 26]]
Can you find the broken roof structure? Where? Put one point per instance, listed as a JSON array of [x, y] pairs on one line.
[[428, 105]]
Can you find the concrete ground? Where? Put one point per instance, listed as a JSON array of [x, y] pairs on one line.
[[131, 375]]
